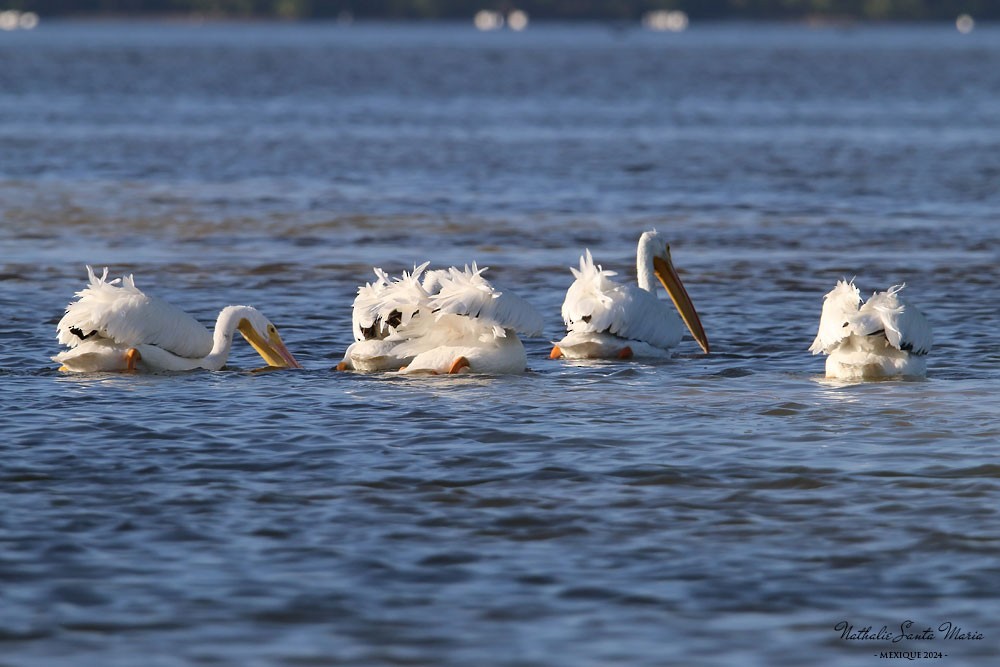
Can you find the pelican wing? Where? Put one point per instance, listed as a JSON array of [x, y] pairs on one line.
[[591, 296], [840, 308], [905, 327], [404, 296], [467, 293], [444, 329], [119, 311], [595, 303]]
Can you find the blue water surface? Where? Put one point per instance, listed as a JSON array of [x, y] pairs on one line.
[[705, 510]]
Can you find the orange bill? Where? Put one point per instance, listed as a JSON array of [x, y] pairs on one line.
[[664, 270], [272, 349]]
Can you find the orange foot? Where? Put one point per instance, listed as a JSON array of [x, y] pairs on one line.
[[458, 365], [625, 353], [556, 353], [131, 356]]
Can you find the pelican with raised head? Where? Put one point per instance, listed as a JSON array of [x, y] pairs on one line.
[[606, 319], [884, 337], [114, 326]]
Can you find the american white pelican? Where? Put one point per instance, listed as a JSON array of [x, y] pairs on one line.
[[885, 337], [114, 326], [470, 326], [380, 308], [608, 320]]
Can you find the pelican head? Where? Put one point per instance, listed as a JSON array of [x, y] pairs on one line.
[[655, 251], [263, 336]]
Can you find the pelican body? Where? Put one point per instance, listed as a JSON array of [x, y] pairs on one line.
[[606, 319], [884, 337], [380, 308], [114, 326], [453, 321]]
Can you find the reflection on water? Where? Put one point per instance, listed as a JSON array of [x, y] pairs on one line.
[[703, 510]]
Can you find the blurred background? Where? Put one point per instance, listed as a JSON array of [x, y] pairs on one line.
[[622, 10]]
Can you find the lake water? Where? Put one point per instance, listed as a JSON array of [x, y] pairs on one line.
[[707, 510]]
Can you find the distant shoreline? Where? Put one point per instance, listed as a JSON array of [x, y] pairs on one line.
[[199, 19]]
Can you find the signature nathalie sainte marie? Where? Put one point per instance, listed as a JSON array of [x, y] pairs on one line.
[[908, 630]]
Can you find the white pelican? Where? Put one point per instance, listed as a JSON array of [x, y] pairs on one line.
[[380, 308], [114, 326], [608, 320], [467, 326], [885, 337]]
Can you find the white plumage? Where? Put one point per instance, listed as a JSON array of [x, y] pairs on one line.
[[452, 321], [380, 308], [608, 319], [387, 303], [596, 304], [466, 292], [884, 337], [118, 311], [471, 327], [114, 326]]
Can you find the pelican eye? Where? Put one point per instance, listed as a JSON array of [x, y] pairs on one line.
[[846, 323]]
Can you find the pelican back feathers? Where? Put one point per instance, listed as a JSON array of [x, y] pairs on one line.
[[389, 303], [840, 306], [843, 316], [905, 327], [466, 292], [595, 303], [117, 310]]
